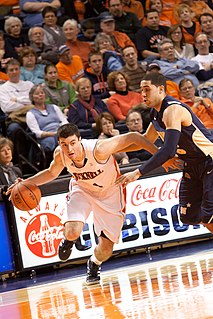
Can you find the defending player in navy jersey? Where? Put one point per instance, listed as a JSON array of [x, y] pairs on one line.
[[92, 188], [184, 135]]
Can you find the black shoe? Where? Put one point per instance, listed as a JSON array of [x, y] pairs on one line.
[[93, 273], [65, 249]]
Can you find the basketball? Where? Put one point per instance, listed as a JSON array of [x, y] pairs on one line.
[[25, 195]]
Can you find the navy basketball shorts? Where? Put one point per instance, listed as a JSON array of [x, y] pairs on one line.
[[196, 194]]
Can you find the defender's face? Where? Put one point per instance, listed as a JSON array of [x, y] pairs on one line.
[[71, 147], [150, 94]]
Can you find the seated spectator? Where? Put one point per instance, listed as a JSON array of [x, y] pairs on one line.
[[85, 110], [135, 7], [202, 107], [148, 37], [15, 39], [112, 59], [4, 58], [8, 172], [71, 30], [70, 67], [30, 70], [123, 99], [15, 100], [189, 27], [31, 11], [165, 9], [125, 22], [175, 69], [165, 18], [197, 7], [119, 39], [134, 123], [58, 92], [45, 53], [204, 58], [182, 49], [206, 23], [54, 35], [87, 31], [132, 68], [171, 87], [44, 119], [97, 73], [105, 126]]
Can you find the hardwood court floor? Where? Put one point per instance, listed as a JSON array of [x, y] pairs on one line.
[[174, 288]]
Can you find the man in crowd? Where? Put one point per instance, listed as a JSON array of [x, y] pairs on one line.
[[206, 22], [133, 68], [175, 69], [148, 37], [70, 67], [126, 22]]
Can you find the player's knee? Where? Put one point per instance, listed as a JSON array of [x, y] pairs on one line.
[[72, 233]]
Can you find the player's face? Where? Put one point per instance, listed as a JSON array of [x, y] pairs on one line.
[[71, 147], [151, 94]]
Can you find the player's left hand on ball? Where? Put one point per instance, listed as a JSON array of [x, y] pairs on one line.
[[9, 190], [173, 163], [128, 178]]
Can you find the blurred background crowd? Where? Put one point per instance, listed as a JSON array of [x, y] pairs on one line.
[[82, 62]]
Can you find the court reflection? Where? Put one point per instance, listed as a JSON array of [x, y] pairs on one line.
[[176, 288]]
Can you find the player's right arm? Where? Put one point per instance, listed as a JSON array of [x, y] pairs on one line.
[[47, 175]]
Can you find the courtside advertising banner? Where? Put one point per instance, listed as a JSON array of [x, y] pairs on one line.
[[151, 218]]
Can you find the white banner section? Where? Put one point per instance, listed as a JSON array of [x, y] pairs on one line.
[[151, 218]]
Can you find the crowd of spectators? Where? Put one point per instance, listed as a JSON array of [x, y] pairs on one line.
[[83, 61]]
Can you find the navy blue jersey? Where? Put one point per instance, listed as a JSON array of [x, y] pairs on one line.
[[195, 143]]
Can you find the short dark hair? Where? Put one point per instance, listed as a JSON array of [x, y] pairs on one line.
[[49, 9], [94, 52], [47, 66], [67, 130], [205, 14], [12, 62], [156, 79]]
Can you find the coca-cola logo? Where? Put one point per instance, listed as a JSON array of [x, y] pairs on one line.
[[43, 235], [167, 190]]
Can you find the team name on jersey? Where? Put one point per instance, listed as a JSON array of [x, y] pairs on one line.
[[87, 175]]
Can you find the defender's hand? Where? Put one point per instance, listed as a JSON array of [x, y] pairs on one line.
[[128, 178]]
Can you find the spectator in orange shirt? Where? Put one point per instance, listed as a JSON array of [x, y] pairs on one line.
[[202, 107], [165, 19], [71, 30], [70, 67], [198, 8], [119, 39], [190, 28], [122, 100], [135, 7]]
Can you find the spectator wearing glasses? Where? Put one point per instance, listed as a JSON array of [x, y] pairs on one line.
[[206, 23], [182, 49], [202, 107], [204, 57], [175, 69]]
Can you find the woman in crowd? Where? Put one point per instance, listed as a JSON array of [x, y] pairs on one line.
[[112, 60], [123, 99], [15, 39], [57, 91], [182, 49], [85, 110], [8, 172], [44, 119], [54, 35], [105, 126], [30, 70], [202, 107]]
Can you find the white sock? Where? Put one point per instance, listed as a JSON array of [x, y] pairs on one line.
[[95, 260]]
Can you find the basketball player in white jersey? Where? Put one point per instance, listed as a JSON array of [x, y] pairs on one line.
[[92, 188]]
